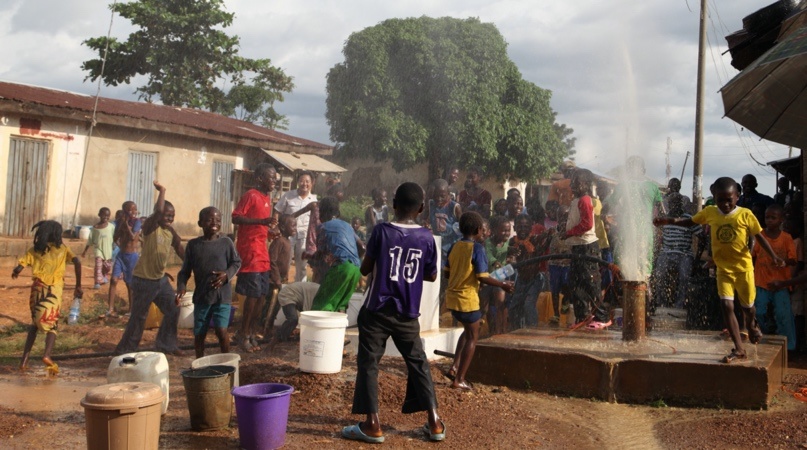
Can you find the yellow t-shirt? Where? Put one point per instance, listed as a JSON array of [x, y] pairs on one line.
[[156, 250], [730, 233], [467, 263], [599, 226], [50, 267]]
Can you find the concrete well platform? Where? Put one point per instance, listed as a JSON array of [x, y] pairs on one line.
[[681, 368]]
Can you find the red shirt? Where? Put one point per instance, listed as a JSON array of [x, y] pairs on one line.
[[479, 200], [251, 239]]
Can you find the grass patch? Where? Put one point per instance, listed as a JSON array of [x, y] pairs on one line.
[[13, 329], [97, 306], [658, 404], [12, 345]]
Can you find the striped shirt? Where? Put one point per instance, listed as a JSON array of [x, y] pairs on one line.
[[678, 239]]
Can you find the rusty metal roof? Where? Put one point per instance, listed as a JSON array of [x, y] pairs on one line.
[[296, 161], [207, 122]]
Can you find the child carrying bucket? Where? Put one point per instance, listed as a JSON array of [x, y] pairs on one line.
[[402, 255]]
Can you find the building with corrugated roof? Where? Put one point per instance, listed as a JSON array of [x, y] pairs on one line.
[[65, 155]]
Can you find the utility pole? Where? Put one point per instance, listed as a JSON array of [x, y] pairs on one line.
[[697, 175], [667, 155]]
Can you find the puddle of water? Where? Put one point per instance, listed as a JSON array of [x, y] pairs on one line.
[[35, 393]]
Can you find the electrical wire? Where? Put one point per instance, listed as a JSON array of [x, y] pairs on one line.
[[93, 122]]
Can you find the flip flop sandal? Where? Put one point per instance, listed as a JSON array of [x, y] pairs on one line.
[[51, 367], [435, 437], [594, 325], [354, 433], [254, 343], [554, 319], [733, 356], [245, 346], [463, 386]]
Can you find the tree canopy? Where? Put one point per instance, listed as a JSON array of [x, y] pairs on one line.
[[441, 91], [187, 58]]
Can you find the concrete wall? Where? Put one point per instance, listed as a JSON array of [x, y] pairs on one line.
[[67, 141], [184, 166]]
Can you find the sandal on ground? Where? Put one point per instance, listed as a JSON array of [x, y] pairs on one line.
[[51, 367], [554, 319], [450, 374], [354, 433], [435, 437], [734, 356], [245, 346], [462, 386], [111, 315], [594, 325], [254, 343]]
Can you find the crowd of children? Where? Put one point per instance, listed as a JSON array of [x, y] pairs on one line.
[[757, 262]]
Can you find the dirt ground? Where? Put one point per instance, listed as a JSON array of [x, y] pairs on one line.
[[35, 409]]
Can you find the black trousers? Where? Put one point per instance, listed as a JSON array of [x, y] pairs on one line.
[[374, 329], [584, 283]]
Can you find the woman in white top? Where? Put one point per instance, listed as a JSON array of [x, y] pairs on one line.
[[298, 203]]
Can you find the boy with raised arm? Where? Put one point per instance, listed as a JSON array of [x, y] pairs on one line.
[[731, 226]]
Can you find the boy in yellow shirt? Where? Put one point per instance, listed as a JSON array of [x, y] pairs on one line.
[[731, 227]]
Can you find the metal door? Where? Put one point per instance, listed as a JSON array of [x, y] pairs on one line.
[[220, 196], [26, 186], [140, 181]]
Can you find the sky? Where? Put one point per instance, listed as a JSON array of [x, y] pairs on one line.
[[622, 72]]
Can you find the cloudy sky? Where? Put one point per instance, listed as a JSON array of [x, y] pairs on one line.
[[622, 72]]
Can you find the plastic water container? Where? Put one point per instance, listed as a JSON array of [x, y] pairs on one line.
[[75, 308], [148, 367], [84, 232], [503, 273], [186, 311], [123, 416], [221, 359], [322, 339], [154, 317]]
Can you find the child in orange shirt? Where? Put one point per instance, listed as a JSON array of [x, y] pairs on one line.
[[766, 272]]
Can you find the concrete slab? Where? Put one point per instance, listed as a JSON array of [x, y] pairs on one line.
[[681, 368]]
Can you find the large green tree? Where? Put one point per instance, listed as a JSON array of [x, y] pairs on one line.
[[442, 91], [188, 61]]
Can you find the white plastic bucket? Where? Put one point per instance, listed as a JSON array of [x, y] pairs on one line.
[[84, 232], [186, 311], [221, 359], [322, 339], [148, 367]]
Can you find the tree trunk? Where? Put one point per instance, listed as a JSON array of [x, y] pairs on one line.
[[435, 164]]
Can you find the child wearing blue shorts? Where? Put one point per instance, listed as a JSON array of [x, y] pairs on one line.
[[214, 262]]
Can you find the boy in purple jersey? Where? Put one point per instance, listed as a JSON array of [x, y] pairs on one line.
[[400, 255]]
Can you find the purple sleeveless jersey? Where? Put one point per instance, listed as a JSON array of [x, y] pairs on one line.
[[403, 254]]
